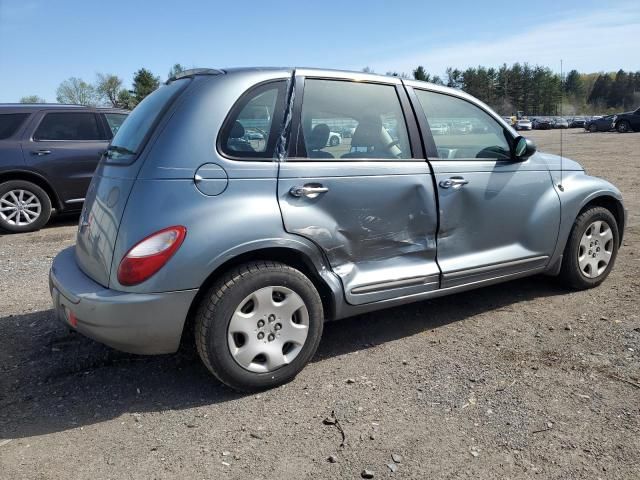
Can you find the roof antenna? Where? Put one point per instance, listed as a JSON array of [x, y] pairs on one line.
[[560, 186]]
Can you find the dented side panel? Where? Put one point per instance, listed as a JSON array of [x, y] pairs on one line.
[[505, 220], [376, 224]]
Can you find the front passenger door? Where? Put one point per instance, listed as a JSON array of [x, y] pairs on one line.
[[498, 217]]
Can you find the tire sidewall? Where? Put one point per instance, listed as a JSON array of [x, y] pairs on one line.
[[623, 127], [45, 203], [574, 273], [220, 358]]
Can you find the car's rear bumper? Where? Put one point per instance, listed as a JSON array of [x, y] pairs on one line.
[[132, 322]]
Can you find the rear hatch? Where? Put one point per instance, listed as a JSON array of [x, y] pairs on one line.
[[113, 180]]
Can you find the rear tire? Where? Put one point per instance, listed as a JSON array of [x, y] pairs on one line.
[[24, 206], [623, 127], [590, 255], [236, 326]]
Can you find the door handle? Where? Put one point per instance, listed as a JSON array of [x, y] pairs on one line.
[[453, 182], [39, 153], [310, 190]]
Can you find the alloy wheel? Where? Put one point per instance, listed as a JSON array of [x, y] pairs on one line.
[[20, 207]]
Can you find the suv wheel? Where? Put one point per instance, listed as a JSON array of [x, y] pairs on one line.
[[334, 141], [593, 129], [24, 206], [623, 127], [591, 249], [259, 325]]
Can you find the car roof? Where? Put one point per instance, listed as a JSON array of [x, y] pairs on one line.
[[35, 107]]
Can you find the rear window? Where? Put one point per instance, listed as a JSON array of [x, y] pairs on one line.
[[10, 122], [68, 126], [114, 120], [139, 124]]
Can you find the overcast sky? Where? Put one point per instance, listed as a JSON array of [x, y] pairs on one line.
[[44, 42]]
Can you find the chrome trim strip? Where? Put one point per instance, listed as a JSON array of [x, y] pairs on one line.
[[390, 284], [494, 266], [75, 200]]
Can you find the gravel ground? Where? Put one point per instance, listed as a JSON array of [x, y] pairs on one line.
[[520, 380]]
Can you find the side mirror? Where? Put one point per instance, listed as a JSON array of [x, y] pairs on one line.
[[524, 148]]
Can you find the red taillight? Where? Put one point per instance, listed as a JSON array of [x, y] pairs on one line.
[[150, 255]]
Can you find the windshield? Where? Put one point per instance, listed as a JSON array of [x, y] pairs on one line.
[[132, 134]]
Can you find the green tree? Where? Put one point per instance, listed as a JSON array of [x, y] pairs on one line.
[[176, 70], [32, 99], [108, 87], [573, 85], [144, 82], [76, 91], [126, 99], [420, 74]]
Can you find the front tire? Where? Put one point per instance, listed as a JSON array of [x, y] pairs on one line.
[[24, 206], [591, 249], [259, 325], [593, 129]]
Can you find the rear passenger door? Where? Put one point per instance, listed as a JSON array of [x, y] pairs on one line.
[[367, 201], [66, 147], [498, 217]]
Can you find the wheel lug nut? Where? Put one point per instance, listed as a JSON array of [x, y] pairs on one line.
[[271, 337], [260, 323], [272, 317], [260, 335], [278, 326]]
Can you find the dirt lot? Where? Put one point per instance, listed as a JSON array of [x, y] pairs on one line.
[[520, 380]]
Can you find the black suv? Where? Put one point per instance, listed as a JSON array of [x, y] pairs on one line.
[[627, 122], [48, 154]]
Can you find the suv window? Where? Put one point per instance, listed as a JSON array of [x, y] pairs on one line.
[[114, 120], [10, 123], [68, 126], [352, 120], [462, 130], [249, 130]]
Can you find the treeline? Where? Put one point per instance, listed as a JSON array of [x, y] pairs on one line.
[[537, 90], [107, 90]]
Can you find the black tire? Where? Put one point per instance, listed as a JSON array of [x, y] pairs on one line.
[[570, 274], [45, 206], [623, 127], [593, 129], [334, 141], [217, 307]]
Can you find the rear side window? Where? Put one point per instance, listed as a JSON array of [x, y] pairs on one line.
[[250, 130], [114, 120], [353, 120], [10, 123], [134, 131], [461, 130], [68, 126]]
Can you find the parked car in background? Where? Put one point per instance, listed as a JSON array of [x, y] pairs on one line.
[[439, 128], [48, 153], [524, 124], [542, 123], [599, 124], [560, 122], [577, 122], [251, 251], [627, 122]]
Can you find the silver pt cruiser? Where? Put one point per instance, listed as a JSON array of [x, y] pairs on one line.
[[222, 209]]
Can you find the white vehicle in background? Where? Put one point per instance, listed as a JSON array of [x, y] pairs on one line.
[[334, 140], [524, 124], [439, 128]]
